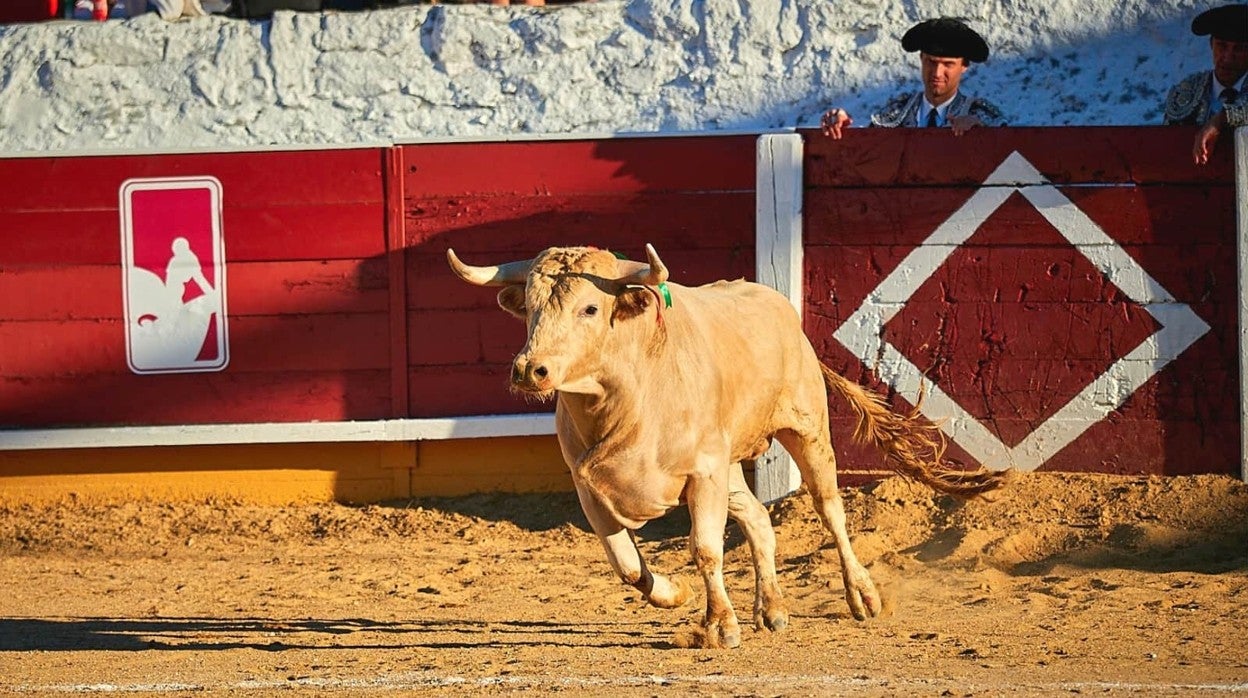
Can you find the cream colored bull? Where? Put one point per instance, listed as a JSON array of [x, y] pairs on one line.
[[659, 405]]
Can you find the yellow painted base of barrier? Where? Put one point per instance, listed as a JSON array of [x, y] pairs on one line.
[[285, 473]]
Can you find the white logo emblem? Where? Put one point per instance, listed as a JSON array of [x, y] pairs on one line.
[[173, 261]]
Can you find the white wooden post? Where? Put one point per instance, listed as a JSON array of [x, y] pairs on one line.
[[1241, 200], [778, 263]]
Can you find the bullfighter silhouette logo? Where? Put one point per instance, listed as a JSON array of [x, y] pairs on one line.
[[173, 261]]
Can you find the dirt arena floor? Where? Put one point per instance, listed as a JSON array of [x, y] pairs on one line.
[[1064, 585]]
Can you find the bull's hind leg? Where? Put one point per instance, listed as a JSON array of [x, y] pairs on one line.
[[812, 451], [769, 609]]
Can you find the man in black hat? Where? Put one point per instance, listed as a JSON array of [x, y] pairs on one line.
[[946, 49], [1201, 95], [1215, 98]]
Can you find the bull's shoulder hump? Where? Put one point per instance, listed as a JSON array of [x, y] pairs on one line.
[[739, 290], [736, 288], [727, 284]]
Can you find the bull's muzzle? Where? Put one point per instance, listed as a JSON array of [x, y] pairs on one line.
[[529, 374]]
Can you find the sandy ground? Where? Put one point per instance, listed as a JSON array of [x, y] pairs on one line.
[[1066, 584]]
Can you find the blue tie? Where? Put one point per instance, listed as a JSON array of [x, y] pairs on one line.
[[931, 118]]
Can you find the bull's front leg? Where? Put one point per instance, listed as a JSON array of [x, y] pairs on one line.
[[707, 498], [624, 557]]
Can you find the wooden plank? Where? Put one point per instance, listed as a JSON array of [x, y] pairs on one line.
[[321, 287], [201, 398], [249, 179], [840, 278], [258, 344], [303, 232], [515, 464], [922, 157], [467, 390], [906, 216], [976, 330], [489, 426], [332, 210], [778, 264], [93, 292], [778, 216], [544, 168], [28, 11], [456, 337], [396, 269], [1241, 249], [263, 474], [273, 233], [521, 224]]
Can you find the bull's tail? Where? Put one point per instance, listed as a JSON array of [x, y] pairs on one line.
[[911, 447]]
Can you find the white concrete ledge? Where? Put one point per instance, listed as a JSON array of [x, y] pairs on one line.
[[281, 432]]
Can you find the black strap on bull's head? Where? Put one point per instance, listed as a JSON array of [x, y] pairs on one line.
[[627, 277]]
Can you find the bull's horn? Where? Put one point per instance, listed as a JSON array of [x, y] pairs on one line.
[[651, 274], [501, 275]]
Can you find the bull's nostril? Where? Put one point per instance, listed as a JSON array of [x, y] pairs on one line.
[[540, 372]]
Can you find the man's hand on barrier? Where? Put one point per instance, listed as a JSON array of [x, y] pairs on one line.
[[964, 123], [1207, 138], [834, 120]]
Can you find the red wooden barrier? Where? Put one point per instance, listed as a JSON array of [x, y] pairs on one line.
[[308, 311], [1014, 322], [341, 305], [27, 10], [340, 302]]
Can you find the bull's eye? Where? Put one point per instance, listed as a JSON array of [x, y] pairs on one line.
[[589, 311]]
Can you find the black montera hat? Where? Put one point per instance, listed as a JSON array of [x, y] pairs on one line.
[[1228, 23], [946, 37]]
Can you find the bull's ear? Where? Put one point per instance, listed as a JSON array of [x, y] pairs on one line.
[[631, 302], [511, 299]]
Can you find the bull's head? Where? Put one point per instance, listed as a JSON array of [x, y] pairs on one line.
[[570, 298]]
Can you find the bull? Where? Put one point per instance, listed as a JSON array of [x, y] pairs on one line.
[[662, 391]]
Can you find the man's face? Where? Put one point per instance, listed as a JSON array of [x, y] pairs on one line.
[[1230, 60], [941, 76]]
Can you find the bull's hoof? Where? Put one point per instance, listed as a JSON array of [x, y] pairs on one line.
[[710, 636], [668, 594], [861, 595], [721, 636], [863, 604], [777, 622], [773, 619]]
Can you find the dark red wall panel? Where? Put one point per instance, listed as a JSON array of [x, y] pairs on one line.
[[691, 197], [599, 167], [1017, 320], [1101, 155], [307, 285], [29, 10], [314, 243]]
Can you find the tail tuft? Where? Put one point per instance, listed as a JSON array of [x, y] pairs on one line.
[[912, 447]]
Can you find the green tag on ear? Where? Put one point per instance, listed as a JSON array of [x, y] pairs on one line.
[[620, 255]]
